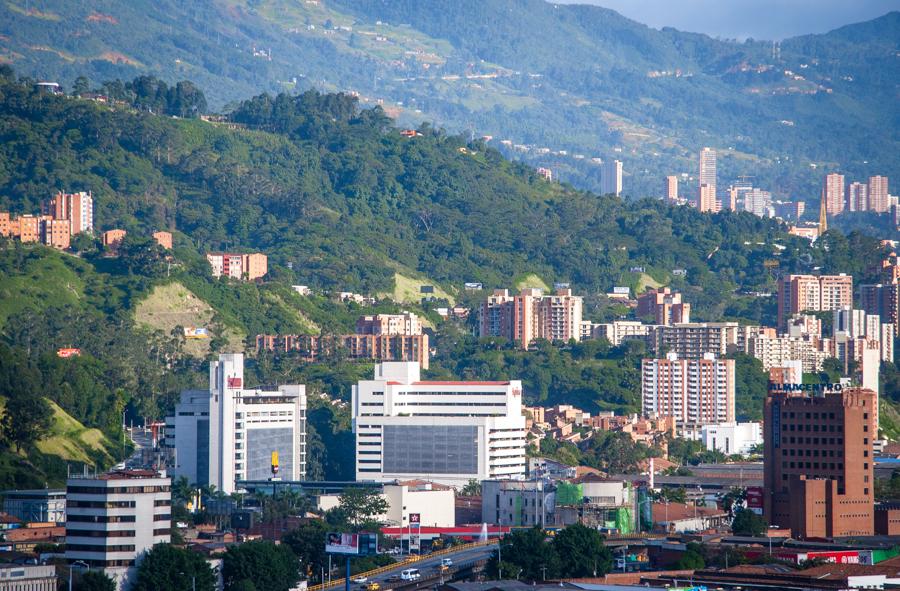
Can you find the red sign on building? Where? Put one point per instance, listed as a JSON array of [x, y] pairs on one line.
[[234, 383]]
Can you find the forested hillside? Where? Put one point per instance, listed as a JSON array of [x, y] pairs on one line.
[[566, 83], [351, 203]]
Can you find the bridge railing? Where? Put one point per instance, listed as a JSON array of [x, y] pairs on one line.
[[399, 565]]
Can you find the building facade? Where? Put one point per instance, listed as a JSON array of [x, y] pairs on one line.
[[611, 178], [879, 198], [693, 340], [245, 267], [446, 431], [531, 315], [525, 503], [370, 347], [819, 464], [228, 433], [664, 306], [706, 194], [389, 324], [28, 577], [77, 208], [670, 188], [41, 505], [813, 293], [833, 193], [694, 391], [113, 519]]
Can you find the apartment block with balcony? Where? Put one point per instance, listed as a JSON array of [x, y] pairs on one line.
[[693, 391], [532, 315]]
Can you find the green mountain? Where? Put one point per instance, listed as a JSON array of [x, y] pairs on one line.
[[564, 83], [339, 199]]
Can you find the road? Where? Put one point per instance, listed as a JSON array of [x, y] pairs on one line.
[[428, 566]]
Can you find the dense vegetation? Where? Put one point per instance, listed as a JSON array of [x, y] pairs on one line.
[[569, 77], [338, 199]]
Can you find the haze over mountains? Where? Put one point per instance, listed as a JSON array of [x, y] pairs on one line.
[[566, 83]]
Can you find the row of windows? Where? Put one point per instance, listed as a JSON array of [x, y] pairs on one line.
[[495, 404], [825, 453], [92, 533], [76, 504], [99, 548], [815, 428], [100, 518], [115, 490]]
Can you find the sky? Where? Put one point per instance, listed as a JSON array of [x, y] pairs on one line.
[[740, 19]]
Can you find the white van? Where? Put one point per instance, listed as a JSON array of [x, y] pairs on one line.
[[411, 574]]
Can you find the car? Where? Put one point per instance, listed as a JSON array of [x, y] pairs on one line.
[[359, 579], [394, 577], [372, 586], [411, 574], [446, 562]]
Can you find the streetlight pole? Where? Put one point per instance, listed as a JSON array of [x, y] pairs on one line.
[[83, 564]]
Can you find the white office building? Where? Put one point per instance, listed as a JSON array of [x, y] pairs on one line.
[[113, 519], [729, 438], [449, 432], [229, 433], [611, 178]]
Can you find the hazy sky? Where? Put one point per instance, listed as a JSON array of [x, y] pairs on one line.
[[760, 19]]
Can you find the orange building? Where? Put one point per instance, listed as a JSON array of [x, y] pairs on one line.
[[55, 233], [164, 239], [665, 306], [833, 193], [819, 465], [812, 293], [29, 228], [532, 315], [78, 208], [246, 267], [112, 238], [878, 194]]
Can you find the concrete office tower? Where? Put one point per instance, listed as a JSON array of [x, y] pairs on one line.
[[858, 197], [812, 293], [833, 193], [878, 194], [819, 464], [228, 433], [694, 391], [611, 178], [446, 431], [670, 188], [113, 519], [706, 195], [78, 208]]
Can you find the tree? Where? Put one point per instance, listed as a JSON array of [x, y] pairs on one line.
[[581, 552], [526, 554], [95, 580], [268, 566], [692, 559], [308, 544], [81, 86], [471, 489], [748, 523], [362, 505], [167, 568], [26, 418]]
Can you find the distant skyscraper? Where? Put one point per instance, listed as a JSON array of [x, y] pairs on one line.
[[611, 177], [707, 200], [833, 193], [670, 188], [758, 202], [707, 174], [858, 197], [878, 194]]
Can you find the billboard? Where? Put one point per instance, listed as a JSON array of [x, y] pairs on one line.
[[194, 332], [354, 544], [755, 499], [338, 543]]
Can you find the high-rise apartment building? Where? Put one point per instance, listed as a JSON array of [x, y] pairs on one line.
[[778, 351], [113, 519], [707, 201], [670, 188], [884, 300], [819, 462], [812, 293], [694, 339], [78, 208], [833, 193], [707, 173], [228, 433], [611, 177], [531, 315], [664, 306], [693, 391], [246, 267], [858, 197], [879, 201], [446, 431], [389, 324]]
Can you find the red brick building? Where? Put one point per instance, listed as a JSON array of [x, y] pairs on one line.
[[819, 465]]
